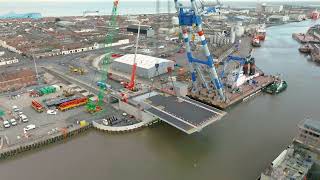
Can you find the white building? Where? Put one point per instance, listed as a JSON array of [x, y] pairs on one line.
[[8, 61], [273, 8], [91, 13], [263, 7], [145, 65]]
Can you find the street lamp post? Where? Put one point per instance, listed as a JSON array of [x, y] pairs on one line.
[[137, 42]]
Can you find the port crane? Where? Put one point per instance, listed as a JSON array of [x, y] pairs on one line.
[[93, 107], [191, 17], [240, 61]]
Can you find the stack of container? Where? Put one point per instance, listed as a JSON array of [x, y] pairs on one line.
[[47, 90]]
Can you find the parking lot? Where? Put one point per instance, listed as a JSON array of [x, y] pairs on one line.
[[44, 122]]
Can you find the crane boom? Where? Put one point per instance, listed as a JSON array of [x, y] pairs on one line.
[[191, 17], [97, 106]]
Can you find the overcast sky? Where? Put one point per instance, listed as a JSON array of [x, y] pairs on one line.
[[141, 0]]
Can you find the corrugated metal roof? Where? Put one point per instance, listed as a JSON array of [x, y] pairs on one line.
[[143, 61], [312, 124], [142, 27]]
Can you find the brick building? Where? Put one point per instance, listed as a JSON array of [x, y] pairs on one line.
[[16, 79]]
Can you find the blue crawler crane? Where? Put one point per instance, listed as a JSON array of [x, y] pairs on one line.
[[190, 17]]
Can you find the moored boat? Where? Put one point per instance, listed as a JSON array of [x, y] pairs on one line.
[[305, 48], [276, 87], [255, 42]]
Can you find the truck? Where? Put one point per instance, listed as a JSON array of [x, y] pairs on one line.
[[73, 103], [103, 85], [37, 106]]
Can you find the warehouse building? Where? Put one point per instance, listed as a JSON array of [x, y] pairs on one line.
[[144, 29], [145, 65]]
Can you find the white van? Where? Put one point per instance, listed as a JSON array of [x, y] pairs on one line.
[[29, 127]]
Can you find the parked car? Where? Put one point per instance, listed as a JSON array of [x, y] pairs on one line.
[[13, 122], [52, 112], [23, 118], [15, 109], [29, 127], [6, 124]]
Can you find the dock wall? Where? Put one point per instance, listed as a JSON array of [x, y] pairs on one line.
[[113, 129], [42, 141]]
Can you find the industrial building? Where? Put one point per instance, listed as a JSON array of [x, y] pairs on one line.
[[278, 19], [144, 29], [293, 163], [14, 80], [145, 65], [309, 134], [268, 8]]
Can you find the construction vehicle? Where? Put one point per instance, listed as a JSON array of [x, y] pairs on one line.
[[131, 84], [93, 106], [69, 92], [116, 55], [103, 85], [73, 103], [76, 70], [37, 106]]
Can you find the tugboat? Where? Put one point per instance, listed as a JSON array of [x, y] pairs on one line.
[[276, 87], [255, 42], [261, 32]]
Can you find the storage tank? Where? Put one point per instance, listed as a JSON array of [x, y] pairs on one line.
[[57, 87], [232, 35], [239, 30], [210, 3]]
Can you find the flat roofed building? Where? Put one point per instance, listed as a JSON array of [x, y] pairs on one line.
[[145, 65], [144, 29], [309, 134]]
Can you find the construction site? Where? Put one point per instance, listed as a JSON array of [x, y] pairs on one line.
[[128, 72]]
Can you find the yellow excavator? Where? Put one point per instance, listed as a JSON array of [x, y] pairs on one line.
[[76, 70]]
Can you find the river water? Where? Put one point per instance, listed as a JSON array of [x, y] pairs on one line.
[[238, 147]]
